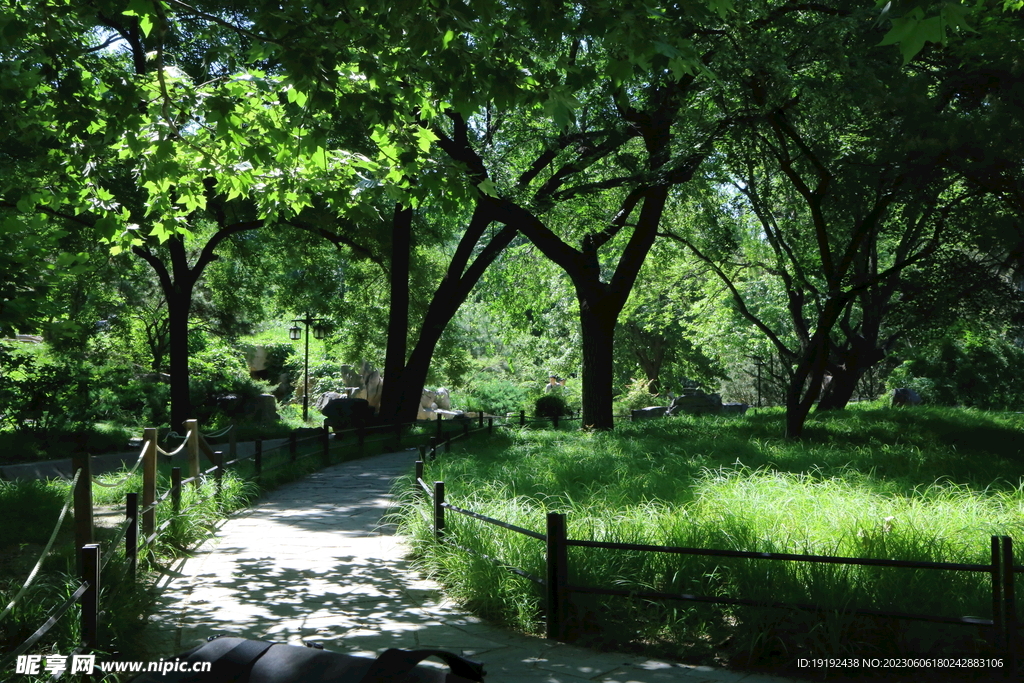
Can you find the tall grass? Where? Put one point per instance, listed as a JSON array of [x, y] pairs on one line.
[[916, 485]]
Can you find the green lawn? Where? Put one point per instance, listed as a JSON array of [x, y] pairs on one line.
[[926, 484]]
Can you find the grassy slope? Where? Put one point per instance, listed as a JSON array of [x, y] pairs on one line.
[[911, 484]]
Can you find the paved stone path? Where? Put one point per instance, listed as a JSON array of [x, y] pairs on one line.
[[311, 561]]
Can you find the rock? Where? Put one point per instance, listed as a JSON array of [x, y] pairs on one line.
[[443, 399], [347, 413], [267, 412], [695, 403], [905, 397], [734, 408], [326, 398], [648, 413], [256, 357]]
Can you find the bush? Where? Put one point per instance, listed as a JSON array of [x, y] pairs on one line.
[[638, 395], [550, 405], [216, 372], [497, 397]]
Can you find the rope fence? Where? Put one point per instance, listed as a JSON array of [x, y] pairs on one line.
[[92, 562]]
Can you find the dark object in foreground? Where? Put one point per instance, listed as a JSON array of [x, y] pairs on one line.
[[347, 413], [905, 397], [256, 661]]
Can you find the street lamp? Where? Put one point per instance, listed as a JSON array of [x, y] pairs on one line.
[[295, 334]]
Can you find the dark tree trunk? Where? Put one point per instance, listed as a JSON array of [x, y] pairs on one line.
[[398, 315], [598, 316], [178, 305]]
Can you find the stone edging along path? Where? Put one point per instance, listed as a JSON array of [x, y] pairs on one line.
[[311, 561]]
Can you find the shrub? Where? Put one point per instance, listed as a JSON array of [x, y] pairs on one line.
[[550, 405], [215, 372], [496, 396]]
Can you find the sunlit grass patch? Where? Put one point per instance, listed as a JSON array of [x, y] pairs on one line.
[[881, 483]]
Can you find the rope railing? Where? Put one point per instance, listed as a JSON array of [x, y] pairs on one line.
[[94, 562], [46, 549], [50, 622], [177, 450], [129, 474]]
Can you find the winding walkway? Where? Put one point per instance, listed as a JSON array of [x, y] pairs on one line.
[[311, 561]]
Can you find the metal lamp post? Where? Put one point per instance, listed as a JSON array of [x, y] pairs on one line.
[[295, 333]]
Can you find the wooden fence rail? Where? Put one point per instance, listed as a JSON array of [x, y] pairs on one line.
[[89, 557], [557, 587]]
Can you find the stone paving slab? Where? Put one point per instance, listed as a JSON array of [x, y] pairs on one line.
[[311, 561]]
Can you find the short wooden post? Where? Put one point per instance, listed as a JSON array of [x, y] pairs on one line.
[[433, 448], [176, 490], [490, 426], [997, 592], [558, 575], [439, 426], [192, 450], [326, 442], [83, 501], [258, 458], [293, 445], [480, 425], [419, 471], [522, 418], [554, 420], [90, 600], [423, 451], [438, 510], [131, 534], [149, 483], [1009, 605], [218, 475], [632, 415]]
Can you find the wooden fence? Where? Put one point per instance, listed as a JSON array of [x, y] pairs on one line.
[[557, 587], [92, 562]]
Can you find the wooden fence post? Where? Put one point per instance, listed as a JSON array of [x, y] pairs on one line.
[[997, 593], [149, 482], [490, 426], [131, 534], [90, 600], [327, 446], [433, 448], [522, 418], [439, 427], [176, 490], [558, 574], [419, 471], [1009, 605], [438, 510], [481, 424], [258, 458], [83, 503], [554, 420], [192, 450]]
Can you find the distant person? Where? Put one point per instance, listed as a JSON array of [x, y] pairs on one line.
[[555, 384]]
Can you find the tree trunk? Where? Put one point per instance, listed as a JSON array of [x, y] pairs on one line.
[[398, 314], [597, 321], [178, 305], [805, 386]]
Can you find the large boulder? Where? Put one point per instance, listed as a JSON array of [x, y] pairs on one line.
[[346, 413], [695, 403], [267, 412], [905, 397], [648, 413]]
